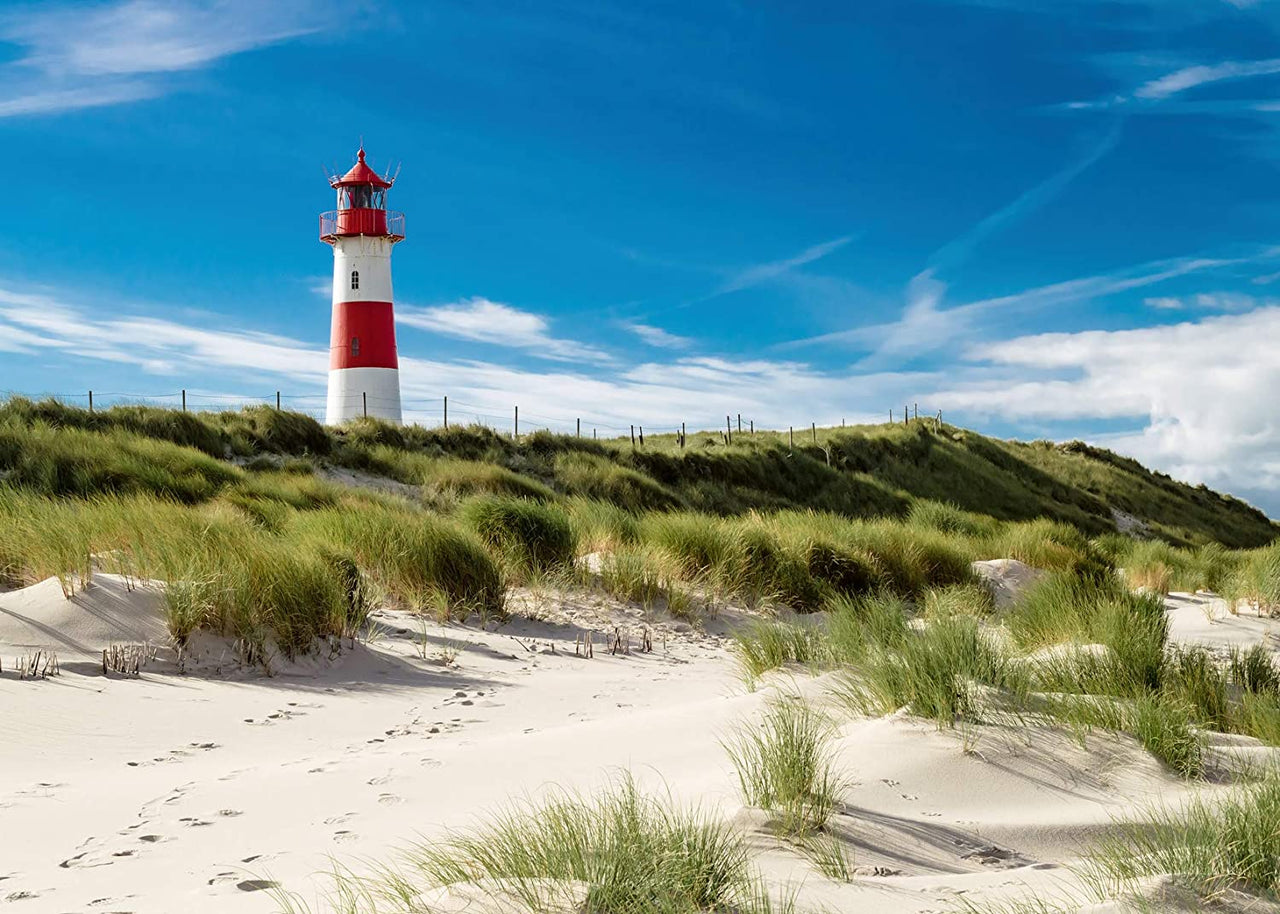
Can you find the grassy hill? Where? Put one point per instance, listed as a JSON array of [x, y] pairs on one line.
[[858, 472]]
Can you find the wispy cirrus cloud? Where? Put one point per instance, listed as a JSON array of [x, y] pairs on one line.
[[483, 321], [656, 336], [76, 56], [1208, 301], [925, 324], [1191, 77], [759, 273]]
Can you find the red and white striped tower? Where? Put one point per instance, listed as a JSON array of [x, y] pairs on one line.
[[364, 373]]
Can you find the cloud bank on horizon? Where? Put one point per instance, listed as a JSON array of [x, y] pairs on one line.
[[629, 216]]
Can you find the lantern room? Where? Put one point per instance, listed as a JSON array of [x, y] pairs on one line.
[[362, 206]]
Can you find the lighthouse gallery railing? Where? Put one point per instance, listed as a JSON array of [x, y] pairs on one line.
[[361, 222]]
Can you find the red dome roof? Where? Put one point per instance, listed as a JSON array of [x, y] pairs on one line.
[[361, 173]]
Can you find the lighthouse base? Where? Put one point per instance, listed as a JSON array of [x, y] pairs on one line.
[[356, 392]]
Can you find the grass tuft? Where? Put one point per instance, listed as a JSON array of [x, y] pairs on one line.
[[786, 765]]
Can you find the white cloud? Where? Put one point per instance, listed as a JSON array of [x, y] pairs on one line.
[[1198, 391], [1209, 301], [699, 391], [1190, 77], [483, 321], [764, 272], [44, 102], [656, 336], [76, 56]]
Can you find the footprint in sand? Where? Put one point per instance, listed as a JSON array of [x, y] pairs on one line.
[[344, 836], [256, 885], [230, 813], [339, 820], [380, 780], [256, 857], [389, 799]]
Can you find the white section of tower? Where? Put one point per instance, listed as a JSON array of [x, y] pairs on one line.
[[362, 273], [368, 255], [351, 388]]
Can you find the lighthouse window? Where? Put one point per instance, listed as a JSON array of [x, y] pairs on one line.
[[355, 346], [355, 279]]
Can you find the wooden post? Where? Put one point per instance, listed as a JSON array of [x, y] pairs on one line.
[[915, 410], [593, 434], [364, 398], [682, 436], [277, 401], [739, 423], [753, 428], [814, 426], [891, 417], [906, 416], [516, 427], [446, 414], [184, 399], [633, 436], [842, 421], [791, 435], [728, 430], [578, 433], [90, 401], [642, 436]]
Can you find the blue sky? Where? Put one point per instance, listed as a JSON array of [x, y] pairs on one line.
[[1047, 218]]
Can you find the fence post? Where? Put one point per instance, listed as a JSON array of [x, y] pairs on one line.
[[578, 433], [915, 410], [633, 436], [728, 430], [753, 428], [906, 416], [682, 436], [277, 401], [593, 434], [446, 414], [364, 398], [791, 436], [739, 423], [891, 417], [814, 426], [90, 401], [516, 427], [184, 399], [642, 436]]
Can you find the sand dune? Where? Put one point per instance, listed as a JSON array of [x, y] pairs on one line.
[[198, 792]]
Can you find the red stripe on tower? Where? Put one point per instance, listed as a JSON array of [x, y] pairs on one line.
[[363, 335]]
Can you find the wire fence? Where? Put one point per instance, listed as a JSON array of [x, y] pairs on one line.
[[443, 411]]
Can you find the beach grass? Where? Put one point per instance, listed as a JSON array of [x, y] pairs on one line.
[[786, 764]]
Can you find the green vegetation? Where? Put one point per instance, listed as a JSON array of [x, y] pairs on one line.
[[628, 853], [241, 517], [951, 480], [786, 765], [1230, 842]]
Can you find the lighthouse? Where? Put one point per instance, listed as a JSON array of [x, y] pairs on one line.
[[364, 373]]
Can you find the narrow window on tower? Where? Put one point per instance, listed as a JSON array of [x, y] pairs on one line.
[[355, 347], [355, 279]]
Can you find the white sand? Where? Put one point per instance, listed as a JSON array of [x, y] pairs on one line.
[[184, 793]]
